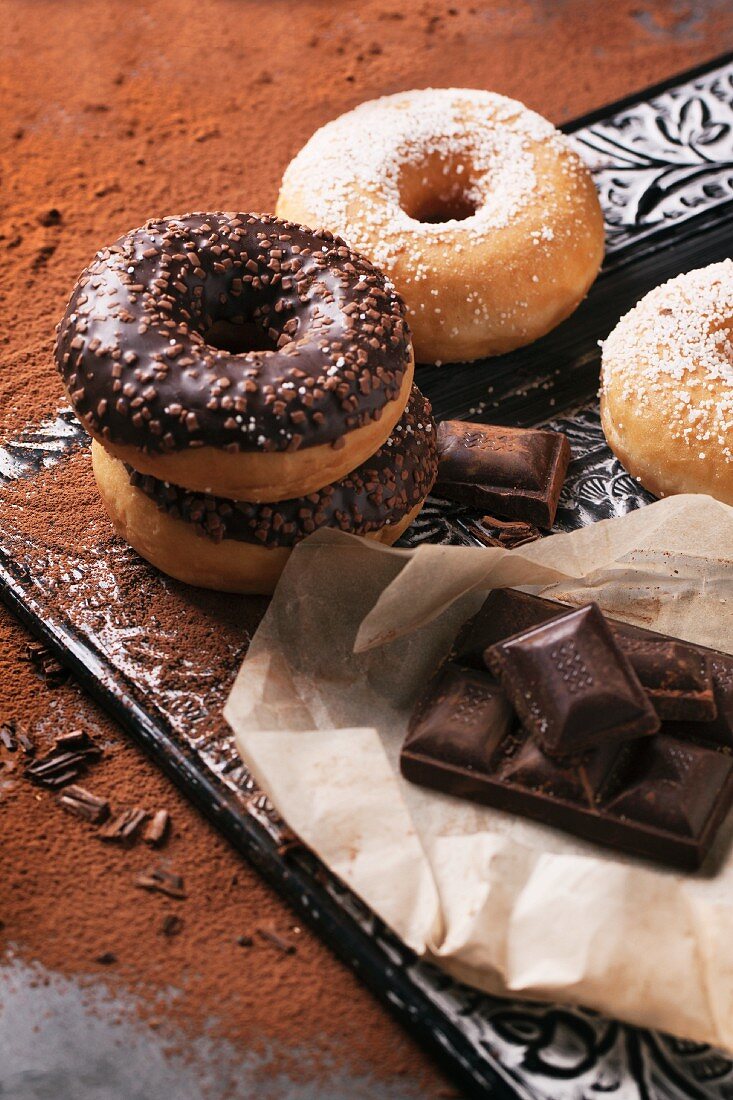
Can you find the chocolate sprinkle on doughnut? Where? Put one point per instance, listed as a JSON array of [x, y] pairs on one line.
[[317, 338], [382, 490]]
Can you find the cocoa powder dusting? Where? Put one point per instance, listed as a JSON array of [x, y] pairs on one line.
[[109, 121]]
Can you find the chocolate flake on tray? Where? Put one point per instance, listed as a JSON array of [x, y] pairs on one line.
[[661, 796]]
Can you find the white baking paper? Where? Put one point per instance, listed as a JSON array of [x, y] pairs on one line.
[[319, 709]]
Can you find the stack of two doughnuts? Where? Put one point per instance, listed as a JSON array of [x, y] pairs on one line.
[[246, 381]]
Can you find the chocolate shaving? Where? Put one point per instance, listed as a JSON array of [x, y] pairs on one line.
[[107, 958], [54, 673], [512, 533], [481, 536], [7, 736], [75, 739], [36, 652], [82, 803], [25, 743], [124, 827], [41, 658], [56, 769], [156, 830]]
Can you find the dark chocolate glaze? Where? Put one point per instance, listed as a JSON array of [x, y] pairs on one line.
[[382, 490], [132, 348]]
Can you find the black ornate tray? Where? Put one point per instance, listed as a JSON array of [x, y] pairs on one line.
[[663, 162]]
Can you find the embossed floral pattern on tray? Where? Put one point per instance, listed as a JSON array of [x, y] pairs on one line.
[[664, 160]]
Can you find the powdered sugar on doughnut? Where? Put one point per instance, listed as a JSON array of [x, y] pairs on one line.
[[369, 148], [478, 209], [675, 347]]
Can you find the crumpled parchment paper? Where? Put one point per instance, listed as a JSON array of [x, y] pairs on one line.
[[319, 710]]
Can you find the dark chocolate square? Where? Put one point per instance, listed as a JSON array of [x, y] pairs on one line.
[[463, 717], [582, 780], [672, 785], [571, 685], [663, 797], [677, 678], [515, 472], [504, 612], [720, 730]]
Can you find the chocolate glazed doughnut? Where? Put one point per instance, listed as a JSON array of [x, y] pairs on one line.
[[241, 546], [236, 354]]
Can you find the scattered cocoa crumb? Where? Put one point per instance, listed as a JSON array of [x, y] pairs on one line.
[[104, 189], [171, 925], [49, 217], [107, 958]]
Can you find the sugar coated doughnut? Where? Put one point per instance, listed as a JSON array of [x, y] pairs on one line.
[[240, 546], [667, 386], [236, 354], [478, 209]]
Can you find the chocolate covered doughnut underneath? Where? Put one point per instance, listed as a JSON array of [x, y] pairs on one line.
[[238, 547], [380, 492]]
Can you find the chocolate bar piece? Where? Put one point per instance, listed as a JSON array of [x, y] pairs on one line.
[[514, 472], [677, 679], [503, 613], [673, 787], [720, 730], [464, 714], [661, 797], [507, 612], [571, 685]]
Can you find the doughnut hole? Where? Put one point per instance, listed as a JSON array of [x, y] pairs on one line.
[[239, 337], [438, 189]]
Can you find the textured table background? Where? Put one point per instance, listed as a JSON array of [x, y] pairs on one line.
[[113, 114]]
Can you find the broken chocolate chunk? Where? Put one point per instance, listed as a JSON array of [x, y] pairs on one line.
[[514, 472], [571, 685]]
